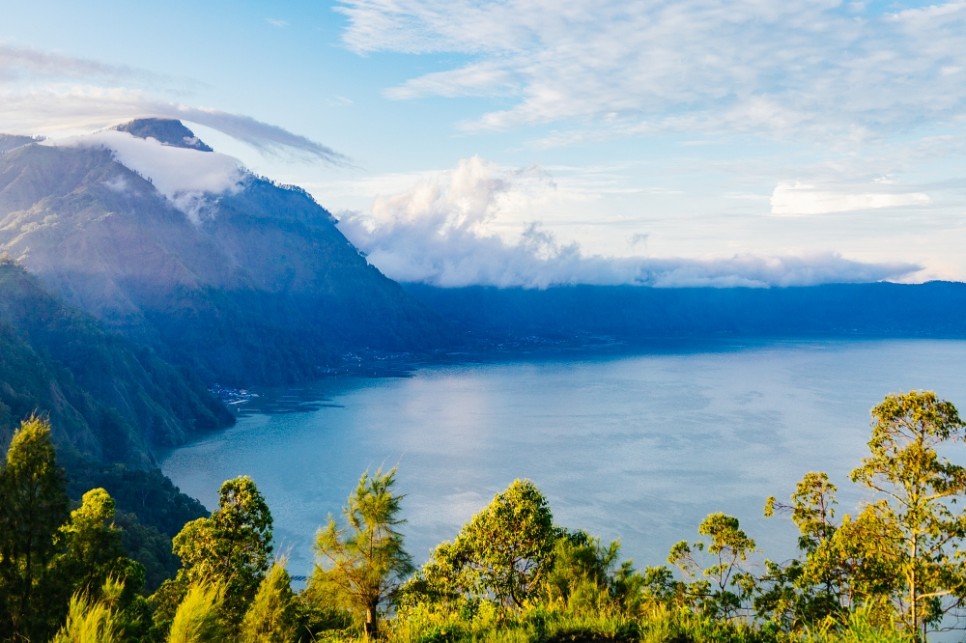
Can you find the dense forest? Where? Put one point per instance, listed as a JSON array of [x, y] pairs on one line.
[[890, 570]]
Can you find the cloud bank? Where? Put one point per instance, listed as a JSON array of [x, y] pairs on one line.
[[450, 230], [839, 71], [189, 179]]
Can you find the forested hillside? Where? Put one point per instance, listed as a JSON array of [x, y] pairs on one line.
[[109, 399], [638, 314], [112, 405], [178, 248]]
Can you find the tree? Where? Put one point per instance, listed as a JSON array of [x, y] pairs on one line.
[[804, 592], [844, 565], [272, 616], [92, 550], [503, 553], [33, 504], [918, 525], [364, 563], [232, 547], [198, 617], [724, 585], [585, 575], [93, 621]]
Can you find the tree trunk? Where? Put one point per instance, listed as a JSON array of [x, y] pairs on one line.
[[370, 627]]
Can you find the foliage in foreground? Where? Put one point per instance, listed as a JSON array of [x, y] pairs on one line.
[[890, 572]]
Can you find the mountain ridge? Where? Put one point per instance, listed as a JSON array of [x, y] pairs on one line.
[[576, 315], [253, 284]]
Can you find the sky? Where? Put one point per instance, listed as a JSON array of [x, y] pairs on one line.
[[512, 142]]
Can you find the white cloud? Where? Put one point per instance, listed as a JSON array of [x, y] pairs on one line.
[[80, 108], [50, 93], [783, 68], [799, 199], [483, 79], [17, 62], [465, 227], [187, 178]]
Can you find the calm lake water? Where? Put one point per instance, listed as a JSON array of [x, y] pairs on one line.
[[638, 447]]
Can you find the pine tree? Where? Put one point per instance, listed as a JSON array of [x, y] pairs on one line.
[[365, 562], [198, 618], [271, 617]]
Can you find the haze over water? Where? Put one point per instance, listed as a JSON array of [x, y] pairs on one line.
[[638, 447]]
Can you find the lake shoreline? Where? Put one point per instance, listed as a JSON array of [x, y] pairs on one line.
[[633, 447]]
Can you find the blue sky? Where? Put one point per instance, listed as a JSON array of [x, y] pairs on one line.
[[535, 142]]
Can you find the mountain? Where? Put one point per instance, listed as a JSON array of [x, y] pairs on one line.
[[166, 132], [517, 318], [9, 142], [108, 399], [241, 280]]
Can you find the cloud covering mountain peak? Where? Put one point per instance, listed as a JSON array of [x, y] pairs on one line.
[[187, 173]]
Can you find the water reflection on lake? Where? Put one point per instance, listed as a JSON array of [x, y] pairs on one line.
[[638, 448]]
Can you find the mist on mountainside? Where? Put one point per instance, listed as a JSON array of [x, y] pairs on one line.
[[239, 279]]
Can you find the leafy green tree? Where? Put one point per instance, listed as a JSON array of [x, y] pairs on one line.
[[503, 554], [804, 592], [92, 550], [863, 549], [720, 585], [33, 504], [918, 524], [231, 547], [272, 616], [163, 605], [586, 577], [364, 563]]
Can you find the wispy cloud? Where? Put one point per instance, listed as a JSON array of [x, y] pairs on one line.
[[51, 93], [449, 229], [842, 71], [799, 199], [20, 62], [263, 136]]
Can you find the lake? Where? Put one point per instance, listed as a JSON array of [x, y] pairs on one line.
[[637, 447]]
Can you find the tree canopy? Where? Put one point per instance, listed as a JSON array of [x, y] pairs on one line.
[[232, 547], [364, 562], [891, 570], [503, 553]]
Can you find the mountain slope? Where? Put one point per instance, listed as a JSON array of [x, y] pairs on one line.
[[247, 282], [577, 314], [108, 399]]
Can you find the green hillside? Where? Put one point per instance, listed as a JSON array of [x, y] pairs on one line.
[[110, 401]]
